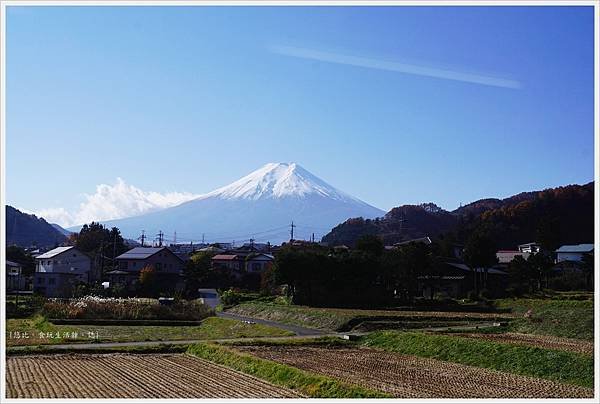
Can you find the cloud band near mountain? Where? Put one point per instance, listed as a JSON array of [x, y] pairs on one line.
[[114, 202]]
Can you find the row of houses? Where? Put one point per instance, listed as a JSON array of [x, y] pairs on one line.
[[567, 253], [59, 269], [457, 279]]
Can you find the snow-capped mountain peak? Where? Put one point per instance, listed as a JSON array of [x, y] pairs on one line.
[[259, 206], [278, 180]]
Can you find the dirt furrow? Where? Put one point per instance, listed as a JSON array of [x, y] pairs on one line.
[[131, 376], [414, 377]]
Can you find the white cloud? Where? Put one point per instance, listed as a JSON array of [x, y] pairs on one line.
[[114, 202]]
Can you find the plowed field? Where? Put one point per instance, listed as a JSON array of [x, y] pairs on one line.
[[414, 377], [131, 376], [539, 341]]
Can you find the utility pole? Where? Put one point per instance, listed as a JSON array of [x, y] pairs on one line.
[[202, 238], [251, 243], [292, 231], [313, 238], [143, 237], [175, 237], [114, 251], [102, 257], [160, 238]]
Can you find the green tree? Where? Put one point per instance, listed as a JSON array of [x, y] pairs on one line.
[[100, 243], [548, 233], [540, 265], [20, 256], [480, 252], [520, 274], [197, 271], [370, 244], [148, 280], [415, 260]]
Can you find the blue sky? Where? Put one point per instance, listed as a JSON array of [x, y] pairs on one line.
[[187, 99]]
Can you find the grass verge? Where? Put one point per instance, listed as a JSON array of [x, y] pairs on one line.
[[346, 319], [39, 331], [307, 383], [566, 367], [561, 318]]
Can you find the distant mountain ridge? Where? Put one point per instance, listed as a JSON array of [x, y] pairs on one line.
[[27, 230], [566, 213]]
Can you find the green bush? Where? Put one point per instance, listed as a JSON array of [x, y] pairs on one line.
[[231, 298]]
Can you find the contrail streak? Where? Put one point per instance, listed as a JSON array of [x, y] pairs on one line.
[[406, 68]]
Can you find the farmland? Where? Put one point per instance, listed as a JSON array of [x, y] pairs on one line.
[[542, 349], [131, 376], [413, 377]]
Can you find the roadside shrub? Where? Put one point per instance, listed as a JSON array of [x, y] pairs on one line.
[[92, 307], [231, 298], [485, 294], [567, 281]]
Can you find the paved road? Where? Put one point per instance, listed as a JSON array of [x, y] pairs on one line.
[[299, 331]]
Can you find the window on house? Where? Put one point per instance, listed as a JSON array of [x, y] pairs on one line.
[[256, 266], [40, 280], [134, 264], [158, 266], [123, 265], [51, 281]]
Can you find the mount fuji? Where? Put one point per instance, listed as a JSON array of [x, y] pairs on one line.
[[259, 206]]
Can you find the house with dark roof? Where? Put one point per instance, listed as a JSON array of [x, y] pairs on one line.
[[456, 279], [59, 270], [258, 262], [167, 265]]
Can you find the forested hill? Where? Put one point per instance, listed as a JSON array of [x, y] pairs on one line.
[[28, 230], [554, 216]]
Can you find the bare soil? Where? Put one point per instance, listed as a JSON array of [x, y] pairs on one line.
[[131, 376], [406, 376]]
